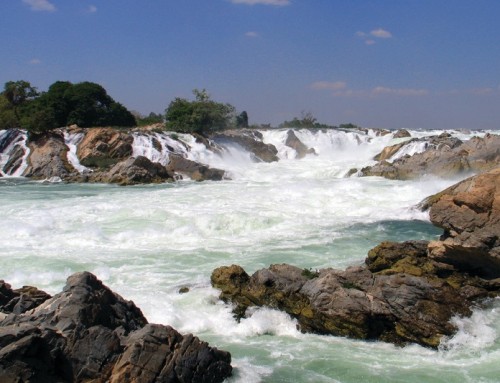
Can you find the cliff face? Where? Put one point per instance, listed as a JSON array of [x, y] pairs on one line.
[[405, 292], [88, 333]]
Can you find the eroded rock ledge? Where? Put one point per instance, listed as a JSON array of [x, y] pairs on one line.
[[405, 292], [87, 333]]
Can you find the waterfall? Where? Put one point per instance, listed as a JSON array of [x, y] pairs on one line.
[[72, 140], [13, 148]]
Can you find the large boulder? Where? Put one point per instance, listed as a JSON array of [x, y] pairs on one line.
[[133, 171], [251, 141], [293, 142], [48, 157], [198, 172], [444, 156], [405, 292], [469, 213], [87, 333], [404, 301], [104, 147]]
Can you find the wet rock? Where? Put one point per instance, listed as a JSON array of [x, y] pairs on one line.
[[48, 157], [135, 170], [445, 156], [293, 142], [88, 333], [405, 292], [194, 170], [469, 212], [104, 147], [15, 160], [401, 133], [251, 141]]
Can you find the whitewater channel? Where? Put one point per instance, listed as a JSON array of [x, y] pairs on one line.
[[148, 242]]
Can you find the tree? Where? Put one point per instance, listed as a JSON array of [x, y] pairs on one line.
[[18, 93], [202, 115], [90, 105], [242, 120]]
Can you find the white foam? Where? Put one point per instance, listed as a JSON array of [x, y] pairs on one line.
[[72, 140]]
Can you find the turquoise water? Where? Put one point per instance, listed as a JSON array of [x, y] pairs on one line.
[[147, 242]]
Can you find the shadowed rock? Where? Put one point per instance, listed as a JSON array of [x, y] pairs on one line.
[[293, 142], [88, 333]]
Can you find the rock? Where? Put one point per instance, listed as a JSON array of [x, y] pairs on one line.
[[445, 156], [251, 141], [293, 142], [48, 157], [405, 292], [136, 170], [469, 212], [104, 147], [15, 160], [192, 169], [20, 300], [401, 133], [88, 333], [389, 151]]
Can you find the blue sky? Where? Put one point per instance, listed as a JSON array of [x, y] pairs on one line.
[[376, 63]]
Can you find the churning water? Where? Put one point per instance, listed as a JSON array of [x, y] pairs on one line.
[[147, 242]]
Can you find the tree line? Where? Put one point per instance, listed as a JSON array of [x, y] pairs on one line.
[[87, 104]]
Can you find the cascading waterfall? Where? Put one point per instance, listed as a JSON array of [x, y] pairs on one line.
[[11, 141], [72, 140]]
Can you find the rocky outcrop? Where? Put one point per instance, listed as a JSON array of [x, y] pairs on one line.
[[404, 292], [132, 171], [104, 147], [194, 170], [445, 156], [469, 213], [48, 157], [293, 142], [87, 333], [251, 141], [401, 133]]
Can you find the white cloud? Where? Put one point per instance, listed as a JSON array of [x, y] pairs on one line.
[[278, 3], [92, 9], [370, 42], [35, 61], [321, 85], [399, 91], [340, 89], [251, 34], [381, 33], [40, 5]]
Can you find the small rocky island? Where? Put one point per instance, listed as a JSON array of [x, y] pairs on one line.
[[404, 292]]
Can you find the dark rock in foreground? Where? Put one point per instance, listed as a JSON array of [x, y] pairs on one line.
[[87, 333], [405, 292]]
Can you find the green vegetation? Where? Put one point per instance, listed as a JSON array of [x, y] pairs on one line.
[[201, 116], [306, 121], [309, 274], [85, 104]]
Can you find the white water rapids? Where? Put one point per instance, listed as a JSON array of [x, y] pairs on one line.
[[146, 242]]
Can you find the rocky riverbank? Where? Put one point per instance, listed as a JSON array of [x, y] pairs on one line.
[[150, 155], [405, 292], [87, 333], [443, 156]]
